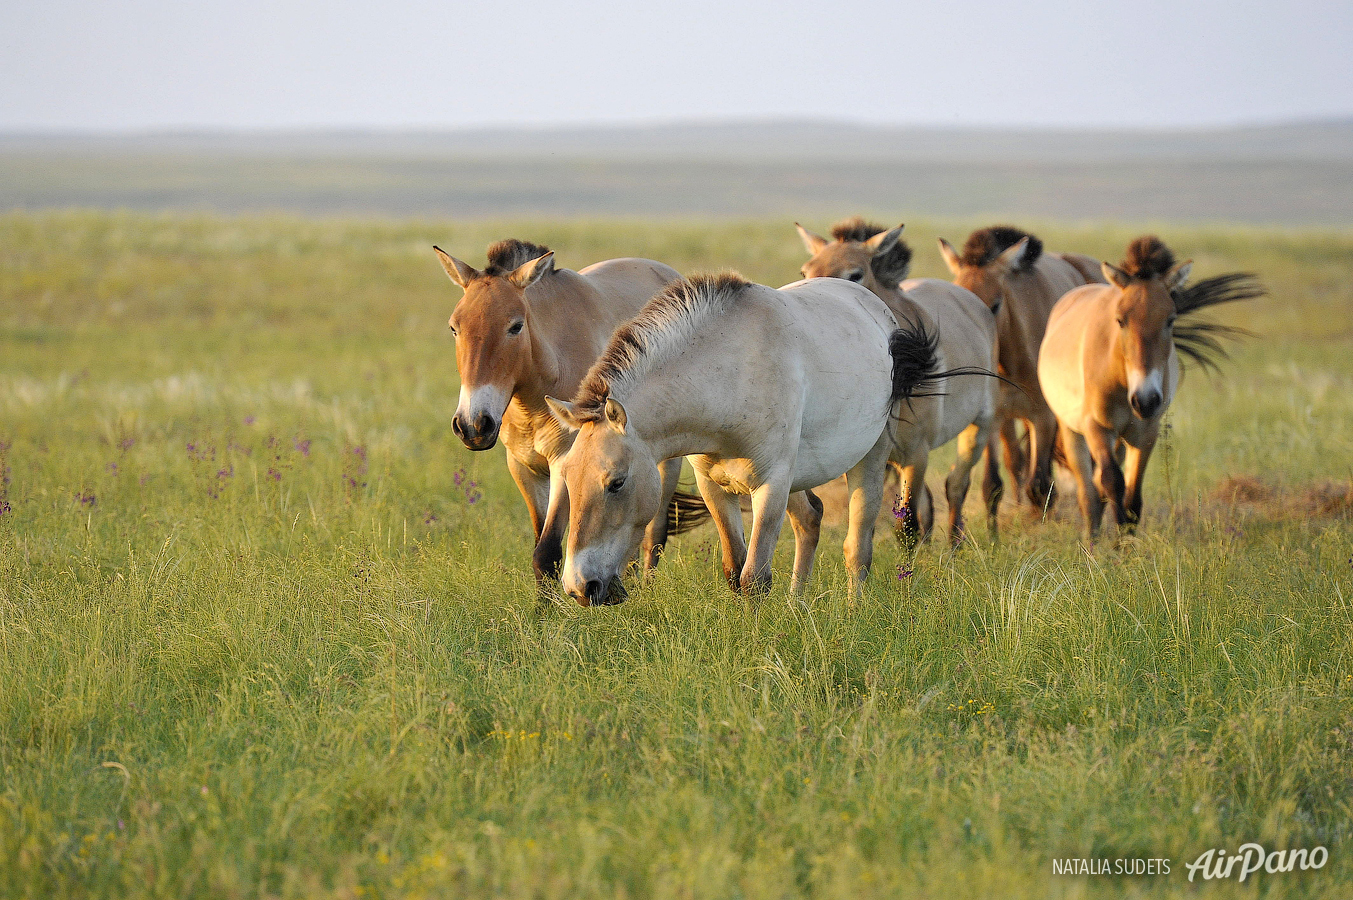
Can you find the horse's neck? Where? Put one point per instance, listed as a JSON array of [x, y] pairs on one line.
[[667, 417]]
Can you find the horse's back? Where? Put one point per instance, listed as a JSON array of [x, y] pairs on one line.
[[629, 280], [1088, 268]]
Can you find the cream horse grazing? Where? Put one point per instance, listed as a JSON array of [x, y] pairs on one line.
[[769, 392], [1109, 367], [525, 329], [1021, 283], [965, 331]]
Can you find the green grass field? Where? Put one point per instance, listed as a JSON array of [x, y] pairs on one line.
[[268, 630]]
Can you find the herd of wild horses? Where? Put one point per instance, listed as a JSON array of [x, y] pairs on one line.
[[772, 392]]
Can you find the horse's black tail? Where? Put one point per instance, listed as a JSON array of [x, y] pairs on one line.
[[685, 512], [1199, 341], [915, 361]]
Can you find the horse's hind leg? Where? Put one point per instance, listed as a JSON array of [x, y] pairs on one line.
[[970, 443], [993, 489], [1016, 459], [805, 516], [1083, 467], [914, 513], [1042, 489], [865, 484]]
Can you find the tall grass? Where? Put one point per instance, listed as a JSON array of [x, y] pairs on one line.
[[267, 630]]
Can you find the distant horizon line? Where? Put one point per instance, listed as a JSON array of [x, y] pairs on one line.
[[539, 128]]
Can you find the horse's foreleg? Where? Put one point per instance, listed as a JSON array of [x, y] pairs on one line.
[[535, 490], [970, 443], [1108, 474], [1135, 464], [655, 535], [1083, 468], [1042, 489], [865, 485], [805, 516], [549, 552], [726, 512], [768, 516]]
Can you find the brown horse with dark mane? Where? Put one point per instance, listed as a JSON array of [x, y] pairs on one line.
[[1021, 282], [525, 329], [1109, 367]]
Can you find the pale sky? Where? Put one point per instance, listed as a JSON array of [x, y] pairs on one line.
[[107, 65]]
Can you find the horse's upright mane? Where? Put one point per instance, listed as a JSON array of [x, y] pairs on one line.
[[891, 267], [666, 324], [507, 256], [986, 244], [1147, 258], [856, 229]]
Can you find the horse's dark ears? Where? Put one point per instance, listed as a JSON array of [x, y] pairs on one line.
[[1115, 276], [458, 271], [615, 415]]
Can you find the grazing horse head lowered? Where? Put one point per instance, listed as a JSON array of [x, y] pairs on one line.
[[690, 376], [1109, 367]]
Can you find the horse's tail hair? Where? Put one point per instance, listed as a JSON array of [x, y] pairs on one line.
[[915, 361], [685, 512], [1201, 341]]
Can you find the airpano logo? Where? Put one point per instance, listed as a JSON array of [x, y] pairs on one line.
[[1250, 858]]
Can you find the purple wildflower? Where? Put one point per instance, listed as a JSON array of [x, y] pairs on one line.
[[904, 571], [126, 444], [303, 447], [4, 506], [248, 420], [87, 498]]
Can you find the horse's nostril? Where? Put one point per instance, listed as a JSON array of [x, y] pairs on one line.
[[485, 424], [592, 590], [457, 426]]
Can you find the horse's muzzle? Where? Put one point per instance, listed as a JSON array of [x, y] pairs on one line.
[[482, 434], [598, 593], [1146, 403]]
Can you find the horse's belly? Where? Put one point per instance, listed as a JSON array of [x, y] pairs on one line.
[[828, 450]]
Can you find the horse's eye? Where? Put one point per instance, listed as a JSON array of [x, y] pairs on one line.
[[515, 327], [453, 329], [1122, 323], [616, 485], [855, 275]]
